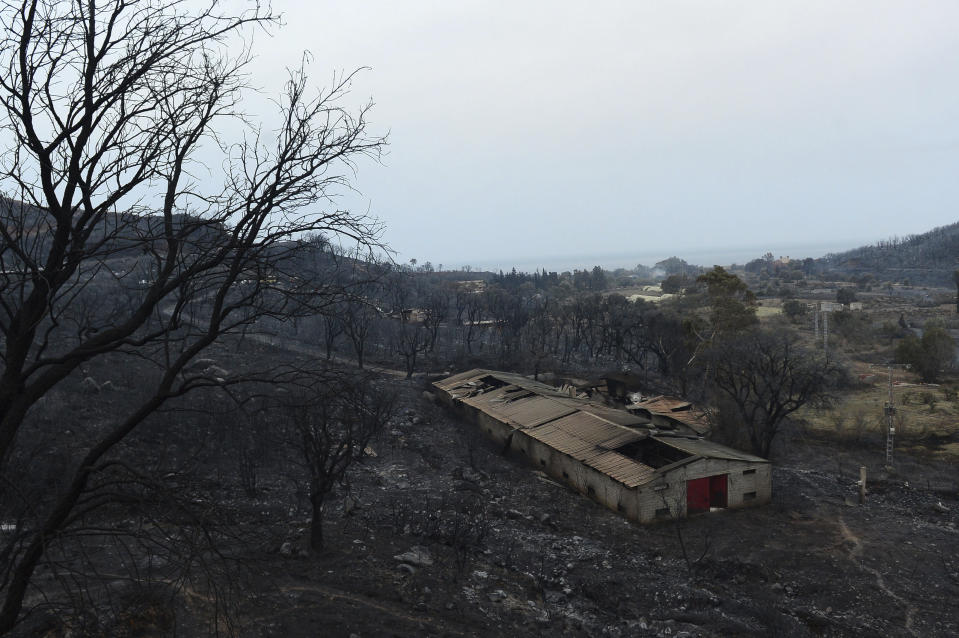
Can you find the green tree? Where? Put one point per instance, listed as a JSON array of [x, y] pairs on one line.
[[598, 281], [732, 304], [673, 284], [845, 295], [794, 309], [930, 355]]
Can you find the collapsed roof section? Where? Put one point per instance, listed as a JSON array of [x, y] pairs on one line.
[[664, 411], [622, 445]]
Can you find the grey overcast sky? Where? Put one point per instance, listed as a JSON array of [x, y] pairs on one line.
[[610, 132]]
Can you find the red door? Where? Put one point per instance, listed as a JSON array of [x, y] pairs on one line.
[[697, 496], [717, 490]]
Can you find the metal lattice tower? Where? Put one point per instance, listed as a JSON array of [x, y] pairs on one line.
[[890, 411]]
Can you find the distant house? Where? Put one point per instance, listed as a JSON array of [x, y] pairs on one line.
[[621, 459]]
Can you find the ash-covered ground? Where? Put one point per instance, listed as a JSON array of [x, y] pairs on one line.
[[440, 534]]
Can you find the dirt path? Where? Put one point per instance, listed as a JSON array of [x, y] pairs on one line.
[[299, 347], [855, 555]]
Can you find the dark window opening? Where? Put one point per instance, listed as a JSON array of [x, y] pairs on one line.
[[620, 507], [542, 461], [662, 512], [749, 496], [565, 475], [752, 471], [590, 490]]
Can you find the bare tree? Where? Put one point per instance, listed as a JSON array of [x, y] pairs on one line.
[[538, 331], [409, 339], [111, 113], [764, 377], [474, 308], [359, 320], [332, 328], [333, 429], [675, 506], [436, 310]]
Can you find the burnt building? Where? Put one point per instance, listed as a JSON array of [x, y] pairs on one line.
[[621, 459]]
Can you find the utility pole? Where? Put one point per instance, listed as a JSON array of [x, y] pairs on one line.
[[890, 411], [825, 334], [862, 484]]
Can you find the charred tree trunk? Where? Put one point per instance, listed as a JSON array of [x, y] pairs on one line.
[[316, 522]]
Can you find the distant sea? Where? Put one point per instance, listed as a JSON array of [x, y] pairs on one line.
[[611, 261]]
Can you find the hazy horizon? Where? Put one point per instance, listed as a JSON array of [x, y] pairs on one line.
[[563, 128], [630, 259]]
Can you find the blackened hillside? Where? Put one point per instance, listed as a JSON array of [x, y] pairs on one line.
[[928, 258]]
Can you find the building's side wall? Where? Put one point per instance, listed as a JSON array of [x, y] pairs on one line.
[[444, 397], [659, 501], [753, 485], [561, 467], [492, 427], [580, 477]]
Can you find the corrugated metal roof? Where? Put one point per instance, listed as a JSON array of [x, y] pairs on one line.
[[589, 440], [525, 412], [466, 383], [620, 417], [624, 437], [663, 404], [694, 419], [529, 413], [455, 380], [589, 428], [587, 431], [622, 468], [674, 409], [708, 449]]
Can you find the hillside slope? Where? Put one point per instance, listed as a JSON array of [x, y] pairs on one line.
[[928, 258]]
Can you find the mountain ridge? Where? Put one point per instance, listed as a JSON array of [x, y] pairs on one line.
[[929, 257]]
